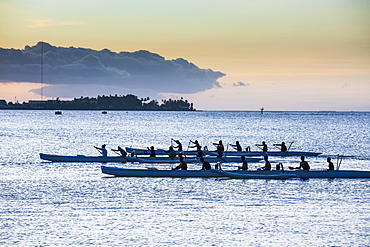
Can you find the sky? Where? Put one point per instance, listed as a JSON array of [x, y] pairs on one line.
[[220, 55]]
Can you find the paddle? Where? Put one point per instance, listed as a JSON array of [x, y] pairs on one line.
[[116, 152], [187, 149], [276, 146], [339, 162], [188, 146], [257, 145], [282, 168], [280, 146], [290, 145], [99, 149], [119, 153]]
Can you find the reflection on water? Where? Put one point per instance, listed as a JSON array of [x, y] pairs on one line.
[[60, 204]]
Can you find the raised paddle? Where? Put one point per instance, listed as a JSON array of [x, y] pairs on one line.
[[290, 145], [339, 162]]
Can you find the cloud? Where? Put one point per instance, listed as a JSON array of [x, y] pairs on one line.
[[68, 68], [49, 23], [240, 84]]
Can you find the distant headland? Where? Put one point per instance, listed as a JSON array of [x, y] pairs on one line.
[[111, 102]]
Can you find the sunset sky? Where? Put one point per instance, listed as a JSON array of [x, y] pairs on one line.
[[280, 55]]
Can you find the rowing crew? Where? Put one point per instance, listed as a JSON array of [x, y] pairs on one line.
[[174, 149], [303, 165], [220, 147]]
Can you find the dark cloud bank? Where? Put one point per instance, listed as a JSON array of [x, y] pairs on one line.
[[135, 72]]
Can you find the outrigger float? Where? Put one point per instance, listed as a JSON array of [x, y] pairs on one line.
[[274, 174]]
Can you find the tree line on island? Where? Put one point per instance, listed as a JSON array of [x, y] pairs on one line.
[[111, 102]]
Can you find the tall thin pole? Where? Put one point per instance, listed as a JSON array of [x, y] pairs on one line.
[[42, 70]]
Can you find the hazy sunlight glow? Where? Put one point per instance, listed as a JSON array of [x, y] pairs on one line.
[[290, 55]]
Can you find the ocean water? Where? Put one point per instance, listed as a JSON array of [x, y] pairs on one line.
[[74, 204]]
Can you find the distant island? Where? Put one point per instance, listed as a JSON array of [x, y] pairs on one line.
[[111, 102]]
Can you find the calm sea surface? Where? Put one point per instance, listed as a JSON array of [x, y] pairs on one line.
[[74, 204]]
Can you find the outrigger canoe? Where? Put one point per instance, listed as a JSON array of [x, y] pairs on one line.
[[81, 158], [140, 151], [211, 159], [153, 172], [164, 159]]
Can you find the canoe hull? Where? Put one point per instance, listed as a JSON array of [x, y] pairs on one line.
[[152, 172], [164, 159], [122, 172], [81, 158]]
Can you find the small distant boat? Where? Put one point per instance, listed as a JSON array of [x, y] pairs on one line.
[[58, 113], [104, 112]]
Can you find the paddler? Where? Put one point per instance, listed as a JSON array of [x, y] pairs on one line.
[[303, 165], [102, 150], [198, 147], [236, 146], [179, 145], [283, 148], [267, 166], [182, 165], [152, 151], [122, 152], [219, 148], [263, 145], [330, 164], [244, 164], [205, 164], [171, 152]]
